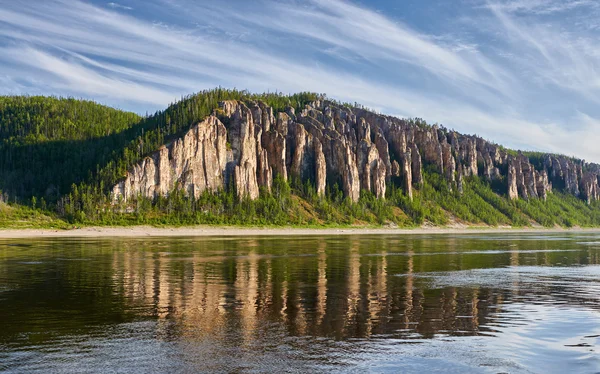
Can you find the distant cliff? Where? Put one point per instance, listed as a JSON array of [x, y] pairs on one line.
[[246, 144]]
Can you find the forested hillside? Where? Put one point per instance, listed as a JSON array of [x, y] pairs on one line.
[[47, 144], [231, 157]]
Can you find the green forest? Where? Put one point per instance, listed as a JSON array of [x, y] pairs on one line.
[[60, 157]]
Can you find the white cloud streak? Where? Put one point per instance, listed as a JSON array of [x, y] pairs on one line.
[[119, 6], [543, 7], [73, 76]]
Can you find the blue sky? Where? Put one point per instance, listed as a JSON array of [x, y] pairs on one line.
[[523, 73]]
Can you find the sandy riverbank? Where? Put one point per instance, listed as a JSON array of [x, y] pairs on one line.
[[147, 231]]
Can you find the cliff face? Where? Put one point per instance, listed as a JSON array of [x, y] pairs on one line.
[[248, 144], [194, 162]]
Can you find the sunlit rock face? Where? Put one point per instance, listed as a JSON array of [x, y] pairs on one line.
[[247, 144], [194, 163]]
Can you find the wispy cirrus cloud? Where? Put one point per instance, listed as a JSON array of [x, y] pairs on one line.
[[119, 6], [561, 57], [75, 76], [543, 7], [506, 75]]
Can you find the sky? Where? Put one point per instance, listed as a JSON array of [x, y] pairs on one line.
[[522, 73]]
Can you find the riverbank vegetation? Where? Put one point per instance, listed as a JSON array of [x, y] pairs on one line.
[[299, 205]]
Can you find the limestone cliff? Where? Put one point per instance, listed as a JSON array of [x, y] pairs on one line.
[[247, 144], [194, 163]]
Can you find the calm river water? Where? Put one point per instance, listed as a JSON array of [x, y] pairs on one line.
[[496, 303]]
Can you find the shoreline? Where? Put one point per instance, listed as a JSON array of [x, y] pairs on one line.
[[225, 231]]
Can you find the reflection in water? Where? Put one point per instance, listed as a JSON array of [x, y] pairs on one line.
[[321, 284], [272, 304]]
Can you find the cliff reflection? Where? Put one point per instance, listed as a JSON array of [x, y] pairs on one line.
[[332, 287]]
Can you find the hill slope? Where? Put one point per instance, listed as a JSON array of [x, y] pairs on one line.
[[226, 156], [47, 144]]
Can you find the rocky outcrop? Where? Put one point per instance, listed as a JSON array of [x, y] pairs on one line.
[[513, 192], [372, 161], [523, 178], [529, 187], [395, 169], [430, 147], [543, 184], [320, 169], [589, 187], [406, 172], [242, 136], [245, 145], [275, 145], [466, 153], [449, 164], [417, 165], [459, 179], [350, 178], [194, 163], [491, 158]]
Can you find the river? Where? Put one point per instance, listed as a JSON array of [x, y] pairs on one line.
[[468, 303]]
